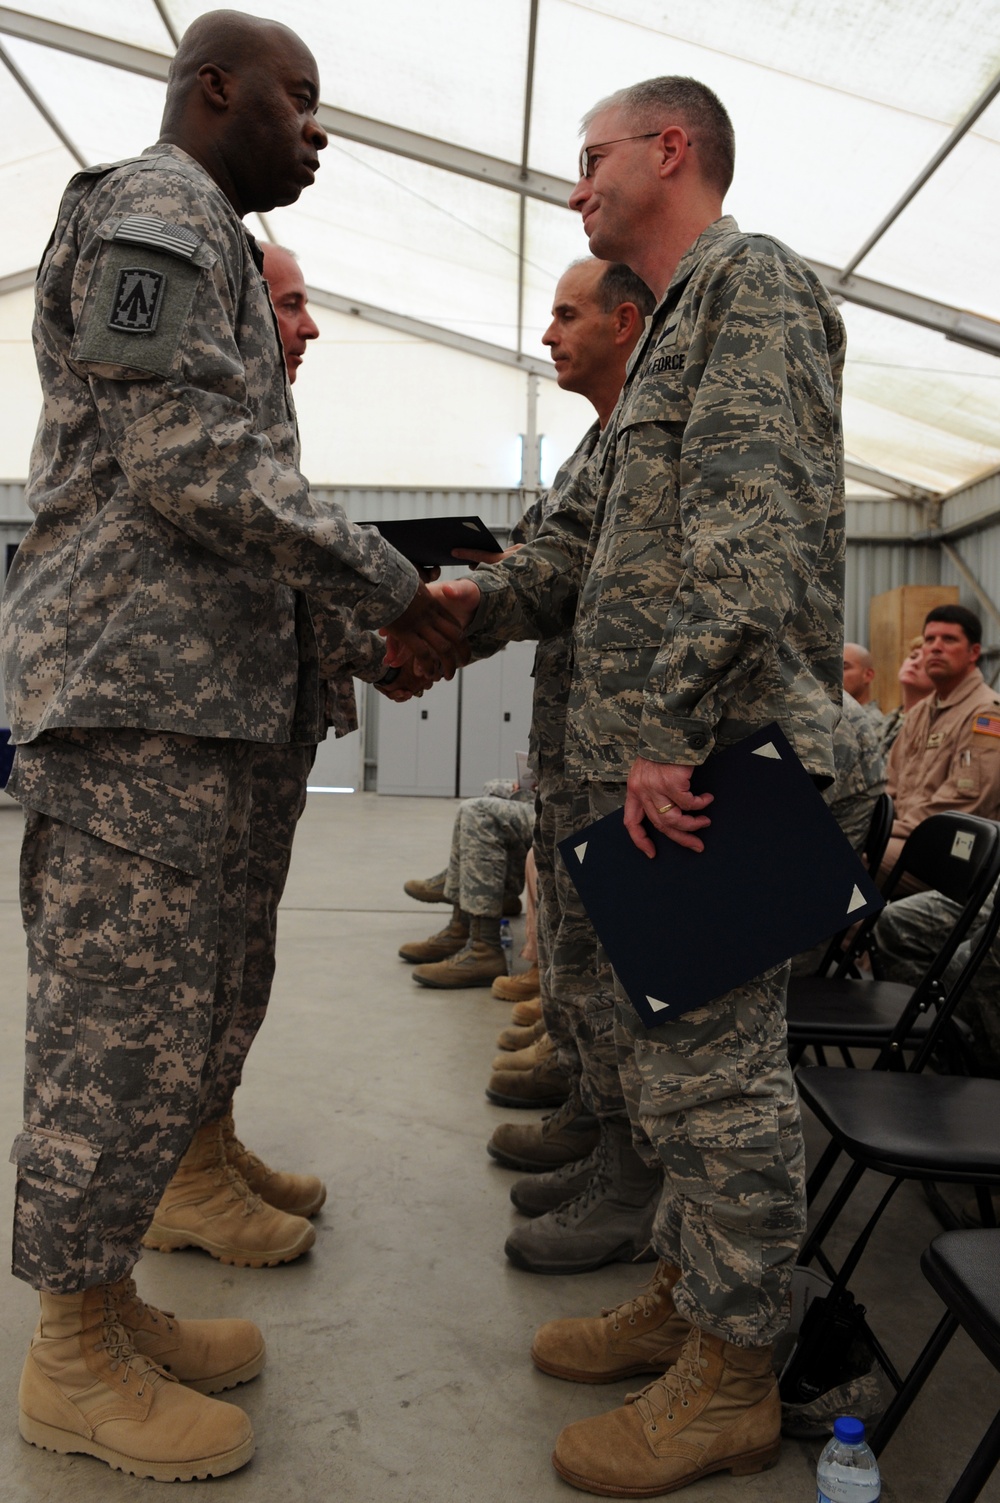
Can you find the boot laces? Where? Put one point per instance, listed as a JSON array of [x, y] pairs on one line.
[[227, 1174], [643, 1304], [117, 1342], [594, 1190], [677, 1386], [557, 1120], [132, 1309]]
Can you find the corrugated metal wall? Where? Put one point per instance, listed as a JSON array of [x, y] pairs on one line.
[[879, 557]]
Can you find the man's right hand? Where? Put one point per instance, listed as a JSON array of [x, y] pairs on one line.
[[430, 631]]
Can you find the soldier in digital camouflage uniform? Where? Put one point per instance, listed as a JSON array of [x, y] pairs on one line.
[[150, 639], [859, 764], [705, 570], [222, 1201]]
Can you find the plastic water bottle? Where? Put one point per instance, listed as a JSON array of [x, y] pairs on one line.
[[507, 944], [847, 1470]]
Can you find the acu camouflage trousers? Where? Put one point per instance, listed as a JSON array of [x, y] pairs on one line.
[[133, 894], [489, 846], [712, 1098], [576, 981]]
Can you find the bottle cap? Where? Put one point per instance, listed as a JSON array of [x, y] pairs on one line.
[[850, 1431]]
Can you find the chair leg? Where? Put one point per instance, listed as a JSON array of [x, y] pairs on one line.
[[820, 1174], [980, 1468], [840, 1198], [984, 1200], [915, 1380]]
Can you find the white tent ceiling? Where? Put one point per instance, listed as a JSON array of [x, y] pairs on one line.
[[454, 132]]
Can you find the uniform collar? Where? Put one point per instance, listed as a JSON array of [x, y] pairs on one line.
[[965, 690]]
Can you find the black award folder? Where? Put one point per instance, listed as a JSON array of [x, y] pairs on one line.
[[776, 877], [428, 541]]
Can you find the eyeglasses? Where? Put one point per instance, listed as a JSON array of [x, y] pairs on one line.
[[586, 167]]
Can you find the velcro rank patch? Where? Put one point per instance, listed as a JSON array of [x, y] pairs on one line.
[[137, 300], [987, 725]]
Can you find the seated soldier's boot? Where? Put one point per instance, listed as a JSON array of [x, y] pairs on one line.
[[537, 1193], [715, 1410], [516, 1039], [427, 889], [206, 1355], [526, 1014], [209, 1205], [610, 1221], [297, 1194], [86, 1389], [519, 988], [448, 941], [544, 1083], [563, 1137], [540, 1048], [643, 1335], [478, 963]]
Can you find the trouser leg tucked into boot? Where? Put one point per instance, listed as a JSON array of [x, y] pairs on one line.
[[563, 1137], [715, 1410], [206, 1355], [643, 1335], [611, 1220], [86, 1389], [297, 1194], [477, 963], [209, 1205]]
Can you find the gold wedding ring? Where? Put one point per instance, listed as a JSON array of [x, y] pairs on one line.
[[664, 807]]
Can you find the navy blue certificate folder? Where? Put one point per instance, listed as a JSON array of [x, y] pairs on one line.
[[776, 877], [428, 541]]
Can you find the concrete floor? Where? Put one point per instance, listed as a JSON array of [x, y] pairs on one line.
[[398, 1348]]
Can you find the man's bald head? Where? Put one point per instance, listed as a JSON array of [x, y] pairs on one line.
[[859, 671], [241, 100]]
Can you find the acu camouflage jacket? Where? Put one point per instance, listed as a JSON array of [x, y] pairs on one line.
[[156, 586], [701, 550]]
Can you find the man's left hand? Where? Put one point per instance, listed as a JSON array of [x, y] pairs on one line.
[[661, 793]]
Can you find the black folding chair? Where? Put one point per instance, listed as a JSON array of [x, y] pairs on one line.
[[871, 853], [964, 1269], [906, 1124], [959, 856]]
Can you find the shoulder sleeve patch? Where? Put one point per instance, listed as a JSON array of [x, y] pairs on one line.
[[987, 723], [146, 229], [135, 310]]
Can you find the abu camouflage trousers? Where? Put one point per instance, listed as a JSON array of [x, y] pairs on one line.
[[909, 934], [576, 981], [714, 1096], [489, 846], [133, 895], [277, 799]]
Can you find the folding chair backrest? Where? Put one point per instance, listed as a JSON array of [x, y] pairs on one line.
[[949, 853], [879, 831], [951, 998]]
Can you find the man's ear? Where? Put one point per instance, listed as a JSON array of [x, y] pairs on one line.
[[628, 322], [673, 148], [215, 86]]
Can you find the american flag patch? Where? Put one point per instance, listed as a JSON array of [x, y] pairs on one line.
[[146, 229], [987, 725]]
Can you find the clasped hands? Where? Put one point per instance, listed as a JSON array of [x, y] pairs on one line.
[[427, 642]]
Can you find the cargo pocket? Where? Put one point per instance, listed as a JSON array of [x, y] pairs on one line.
[[53, 1208], [108, 878], [59, 1156]]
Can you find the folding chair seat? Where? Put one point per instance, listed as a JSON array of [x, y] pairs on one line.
[[964, 1269], [959, 855]]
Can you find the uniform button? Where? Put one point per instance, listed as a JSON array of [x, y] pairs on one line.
[[697, 740]]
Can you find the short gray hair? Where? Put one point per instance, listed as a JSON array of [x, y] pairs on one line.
[[645, 105]]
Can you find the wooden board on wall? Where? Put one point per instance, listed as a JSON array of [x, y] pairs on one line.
[[894, 619]]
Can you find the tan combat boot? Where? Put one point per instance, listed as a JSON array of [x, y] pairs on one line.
[[526, 1058], [515, 1039], [644, 1335], [544, 1083], [85, 1389], [209, 1205], [477, 964], [448, 941], [563, 1137], [297, 1194], [716, 1410], [206, 1355], [427, 889], [526, 1014], [520, 988]]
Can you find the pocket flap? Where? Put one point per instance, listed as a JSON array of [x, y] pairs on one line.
[[57, 1155], [114, 803]]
